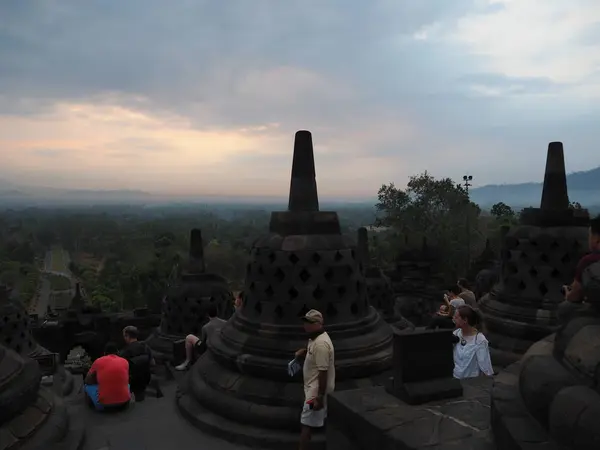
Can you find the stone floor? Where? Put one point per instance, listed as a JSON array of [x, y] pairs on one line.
[[372, 418], [154, 424]]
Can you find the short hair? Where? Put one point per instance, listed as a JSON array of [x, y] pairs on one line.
[[131, 331], [471, 315], [212, 310], [111, 348], [595, 225], [463, 282], [454, 289]]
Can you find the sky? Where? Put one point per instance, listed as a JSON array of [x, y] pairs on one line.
[[203, 97]]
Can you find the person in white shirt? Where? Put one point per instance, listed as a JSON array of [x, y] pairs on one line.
[[452, 298], [471, 352], [318, 373]]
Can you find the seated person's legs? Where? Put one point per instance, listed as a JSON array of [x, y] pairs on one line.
[[92, 395], [190, 342]]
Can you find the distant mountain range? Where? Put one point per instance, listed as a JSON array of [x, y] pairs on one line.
[[584, 187]]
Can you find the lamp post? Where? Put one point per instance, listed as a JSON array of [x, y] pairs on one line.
[[467, 184]]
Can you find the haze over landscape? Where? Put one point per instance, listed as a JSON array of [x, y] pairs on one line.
[[201, 99]]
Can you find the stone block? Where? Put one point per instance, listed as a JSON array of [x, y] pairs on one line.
[[573, 418], [423, 366], [541, 378]]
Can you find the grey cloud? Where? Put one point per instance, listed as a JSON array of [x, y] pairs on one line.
[[50, 152], [199, 59]]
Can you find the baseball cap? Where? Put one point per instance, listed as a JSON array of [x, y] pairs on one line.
[[313, 316]]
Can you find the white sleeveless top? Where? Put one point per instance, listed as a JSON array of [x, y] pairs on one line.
[[473, 358]]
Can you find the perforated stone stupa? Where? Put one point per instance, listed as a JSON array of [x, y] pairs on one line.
[[538, 257], [240, 389], [15, 332], [185, 307], [31, 416]]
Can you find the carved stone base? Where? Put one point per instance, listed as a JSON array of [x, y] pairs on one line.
[[248, 410], [32, 417], [44, 425]]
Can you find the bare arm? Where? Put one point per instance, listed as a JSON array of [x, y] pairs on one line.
[[91, 378], [322, 354], [322, 383]]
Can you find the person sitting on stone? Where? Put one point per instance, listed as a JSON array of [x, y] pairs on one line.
[[318, 373], [140, 359], [442, 319], [192, 342], [452, 299], [575, 292], [471, 352], [466, 293], [107, 382]]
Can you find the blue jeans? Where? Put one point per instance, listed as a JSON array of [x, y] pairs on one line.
[[91, 390]]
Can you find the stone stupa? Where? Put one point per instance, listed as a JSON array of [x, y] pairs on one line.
[[240, 388], [185, 307], [538, 257]]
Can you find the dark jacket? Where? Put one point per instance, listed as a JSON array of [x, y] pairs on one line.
[[140, 358]]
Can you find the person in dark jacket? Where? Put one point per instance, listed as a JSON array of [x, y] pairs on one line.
[[140, 360]]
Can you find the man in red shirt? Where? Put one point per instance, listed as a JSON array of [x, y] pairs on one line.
[[107, 382], [575, 292]]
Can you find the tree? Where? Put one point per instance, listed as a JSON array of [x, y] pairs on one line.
[[575, 205], [501, 211], [439, 210]]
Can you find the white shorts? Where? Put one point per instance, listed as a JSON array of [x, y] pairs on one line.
[[312, 418]]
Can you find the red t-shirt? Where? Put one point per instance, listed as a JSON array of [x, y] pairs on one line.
[[112, 373], [584, 262]]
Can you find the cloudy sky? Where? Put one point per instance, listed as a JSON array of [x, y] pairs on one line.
[[204, 96]]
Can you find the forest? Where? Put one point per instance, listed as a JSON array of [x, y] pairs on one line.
[[126, 257]]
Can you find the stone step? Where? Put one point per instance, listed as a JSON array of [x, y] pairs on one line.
[[239, 433]]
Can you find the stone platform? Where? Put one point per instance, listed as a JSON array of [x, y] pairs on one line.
[[154, 424], [371, 418]]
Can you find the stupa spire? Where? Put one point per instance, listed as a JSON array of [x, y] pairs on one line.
[[303, 185], [362, 247], [196, 251], [555, 194]]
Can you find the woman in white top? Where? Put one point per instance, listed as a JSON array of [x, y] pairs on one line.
[[471, 352]]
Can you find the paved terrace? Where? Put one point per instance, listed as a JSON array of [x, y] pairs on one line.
[[154, 424]]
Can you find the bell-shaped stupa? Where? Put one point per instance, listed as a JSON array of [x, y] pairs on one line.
[[241, 388], [185, 307], [539, 256]]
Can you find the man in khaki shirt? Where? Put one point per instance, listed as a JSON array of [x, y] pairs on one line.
[[318, 373]]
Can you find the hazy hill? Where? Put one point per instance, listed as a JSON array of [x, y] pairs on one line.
[[584, 187]]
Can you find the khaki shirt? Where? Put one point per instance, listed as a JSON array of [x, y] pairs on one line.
[[320, 356]]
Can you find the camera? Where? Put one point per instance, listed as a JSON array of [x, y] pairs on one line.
[[564, 289]]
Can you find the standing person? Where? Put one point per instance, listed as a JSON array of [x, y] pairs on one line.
[[107, 381], [466, 293], [213, 326], [318, 373], [471, 352], [575, 292], [140, 359]]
